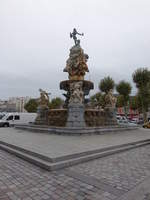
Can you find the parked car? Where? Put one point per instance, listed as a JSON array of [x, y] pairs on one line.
[[10, 119], [140, 121], [146, 125], [121, 119], [134, 121]]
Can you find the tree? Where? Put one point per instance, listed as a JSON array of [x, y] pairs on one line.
[[141, 78], [31, 105], [124, 89], [134, 103], [56, 103], [120, 101], [106, 84], [98, 99]]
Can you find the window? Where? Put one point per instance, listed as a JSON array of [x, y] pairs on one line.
[[17, 117], [10, 117], [1, 116]]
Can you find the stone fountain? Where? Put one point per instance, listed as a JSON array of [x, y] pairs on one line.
[[75, 114], [76, 87], [75, 117]]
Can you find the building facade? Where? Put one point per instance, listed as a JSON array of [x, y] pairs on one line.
[[14, 104]]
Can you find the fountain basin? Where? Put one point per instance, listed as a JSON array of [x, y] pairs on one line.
[[93, 118], [87, 85]]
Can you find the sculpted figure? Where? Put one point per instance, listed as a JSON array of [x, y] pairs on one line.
[[73, 35], [67, 96], [110, 99], [77, 94], [76, 64], [44, 98]]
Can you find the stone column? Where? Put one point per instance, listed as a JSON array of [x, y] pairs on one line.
[[42, 115], [111, 116], [75, 115], [76, 105]]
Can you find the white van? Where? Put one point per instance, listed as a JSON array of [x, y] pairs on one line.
[[10, 119]]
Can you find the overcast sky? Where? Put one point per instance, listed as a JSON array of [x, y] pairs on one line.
[[35, 43]]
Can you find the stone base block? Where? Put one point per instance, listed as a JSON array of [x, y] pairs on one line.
[[75, 115]]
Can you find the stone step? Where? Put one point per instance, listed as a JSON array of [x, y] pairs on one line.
[[66, 161], [69, 156], [26, 151], [75, 131]]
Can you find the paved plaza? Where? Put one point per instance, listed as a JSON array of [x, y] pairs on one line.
[[54, 146], [121, 176]]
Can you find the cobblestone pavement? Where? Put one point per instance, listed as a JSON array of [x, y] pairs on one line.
[[122, 171], [123, 176]]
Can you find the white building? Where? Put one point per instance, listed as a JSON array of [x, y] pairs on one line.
[[3, 105], [19, 103]]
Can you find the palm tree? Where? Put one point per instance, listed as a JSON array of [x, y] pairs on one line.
[[141, 78], [106, 84], [124, 90]]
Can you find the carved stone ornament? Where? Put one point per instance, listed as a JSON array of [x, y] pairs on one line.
[[77, 94], [76, 64], [44, 98], [110, 99]]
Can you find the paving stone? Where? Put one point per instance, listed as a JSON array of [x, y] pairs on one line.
[[108, 178]]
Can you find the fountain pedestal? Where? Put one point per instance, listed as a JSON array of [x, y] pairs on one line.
[[75, 115], [42, 115], [76, 91]]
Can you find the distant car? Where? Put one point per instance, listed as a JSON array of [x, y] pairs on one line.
[[121, 120], [146, 125], [140, 121], [135, 119], [132, 124]]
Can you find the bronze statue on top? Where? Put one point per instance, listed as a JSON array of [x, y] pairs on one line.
[[73, 35]]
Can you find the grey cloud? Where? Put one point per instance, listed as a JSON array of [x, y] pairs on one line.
[[35, 43]]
